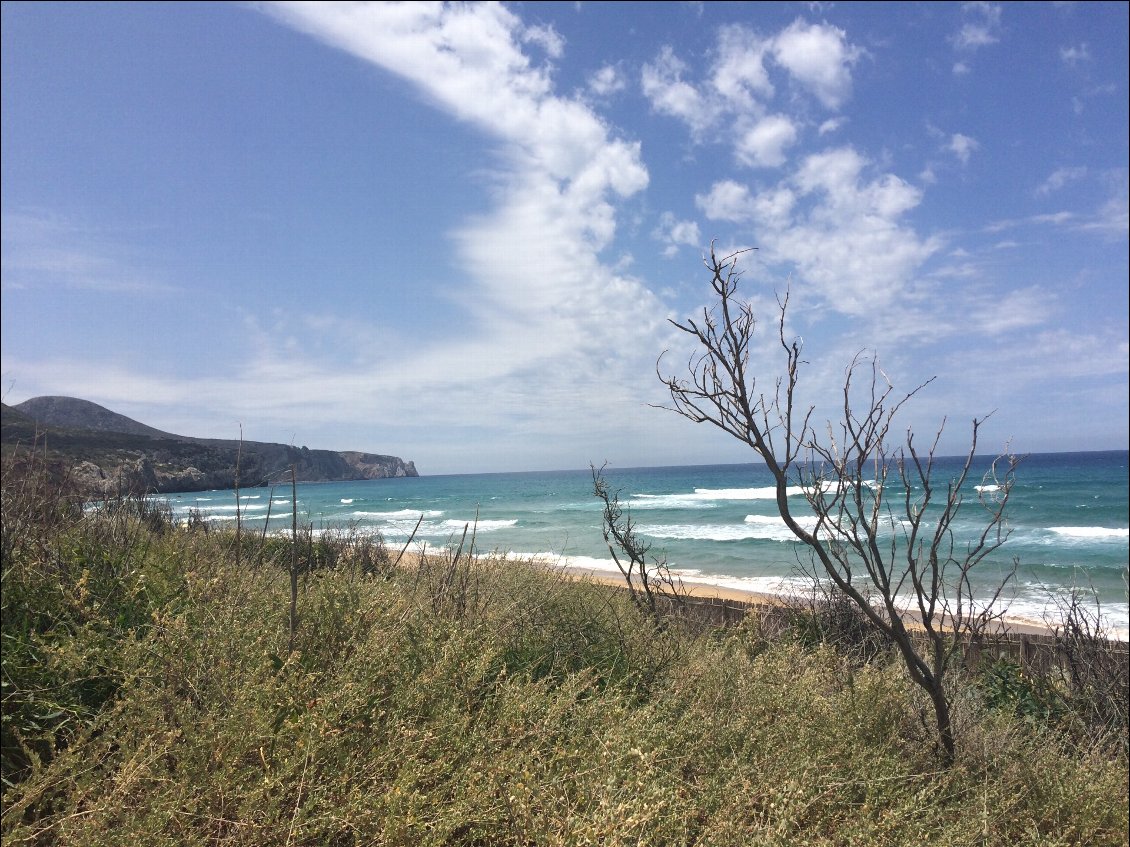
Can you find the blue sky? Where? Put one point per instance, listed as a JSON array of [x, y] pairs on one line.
[[456, 233]]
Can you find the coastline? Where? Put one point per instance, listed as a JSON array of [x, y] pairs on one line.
[[602, 572], [702, 589], [716, 528]]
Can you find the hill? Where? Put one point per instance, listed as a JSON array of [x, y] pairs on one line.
[[106, 453], [73, 413]]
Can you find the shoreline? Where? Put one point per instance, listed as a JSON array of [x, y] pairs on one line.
[[703, 589], [603, 572]]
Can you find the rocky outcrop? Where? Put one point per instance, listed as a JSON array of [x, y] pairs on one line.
[[105, 462], [370, 466]]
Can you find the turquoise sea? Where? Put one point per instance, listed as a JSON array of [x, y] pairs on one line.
[[1068, 516]]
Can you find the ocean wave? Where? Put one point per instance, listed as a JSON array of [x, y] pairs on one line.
[[1090, 532], [347, 501], [693, 532], [706, 497], [243, 509], [479, 526], [400, 514], [754, 527]]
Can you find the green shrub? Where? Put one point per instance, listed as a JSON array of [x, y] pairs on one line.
[[151, 699]]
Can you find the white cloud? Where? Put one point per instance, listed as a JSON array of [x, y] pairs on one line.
[[739, 73], [1059, 178], [42, 250], [842, 231], [559, 328], [547, 38], [819, 57], [726, 201], [732, 102], [764, 144], [1112, 218], [1075, 54], [996, 313], [981, 27], [676, 233], [608, 80], [669, 94], [468, 60], [831, 125], [963, 147]]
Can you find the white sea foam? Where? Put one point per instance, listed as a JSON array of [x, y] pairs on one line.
[[707, 532], [1092, 532], [767, 492], [243, 509], [986, 488], [1035, 606], [346, 501], [400, 514], [754, 527], [707, 497], [480, 526]]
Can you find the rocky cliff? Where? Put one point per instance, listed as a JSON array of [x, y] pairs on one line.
[[110, 453]]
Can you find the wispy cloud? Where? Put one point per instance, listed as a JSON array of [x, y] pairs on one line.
[[42, 250], [547, 316], [1059, 178], [1111, 219], [963, 147], [675, 233], [981, 26], [1075, 53], [607, 81]]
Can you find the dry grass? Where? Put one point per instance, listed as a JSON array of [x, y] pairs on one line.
[[149, 698]]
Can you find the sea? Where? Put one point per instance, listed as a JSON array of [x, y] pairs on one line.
[[1067, 518]]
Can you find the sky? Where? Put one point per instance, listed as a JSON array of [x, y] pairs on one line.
[[458, 233]]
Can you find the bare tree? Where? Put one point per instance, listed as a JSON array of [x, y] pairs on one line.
[[652, 587], [883, 532]]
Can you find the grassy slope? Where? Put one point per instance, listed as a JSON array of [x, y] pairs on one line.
[[149, 699]]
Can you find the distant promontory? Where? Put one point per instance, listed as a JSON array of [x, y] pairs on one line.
[[106, 453]]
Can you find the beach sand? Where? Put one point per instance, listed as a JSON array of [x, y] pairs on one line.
[[708, 590]]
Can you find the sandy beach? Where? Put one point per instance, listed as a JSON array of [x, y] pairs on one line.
[[709, 590]]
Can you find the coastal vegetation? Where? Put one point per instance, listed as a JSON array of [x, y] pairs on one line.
[[157, 689]]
